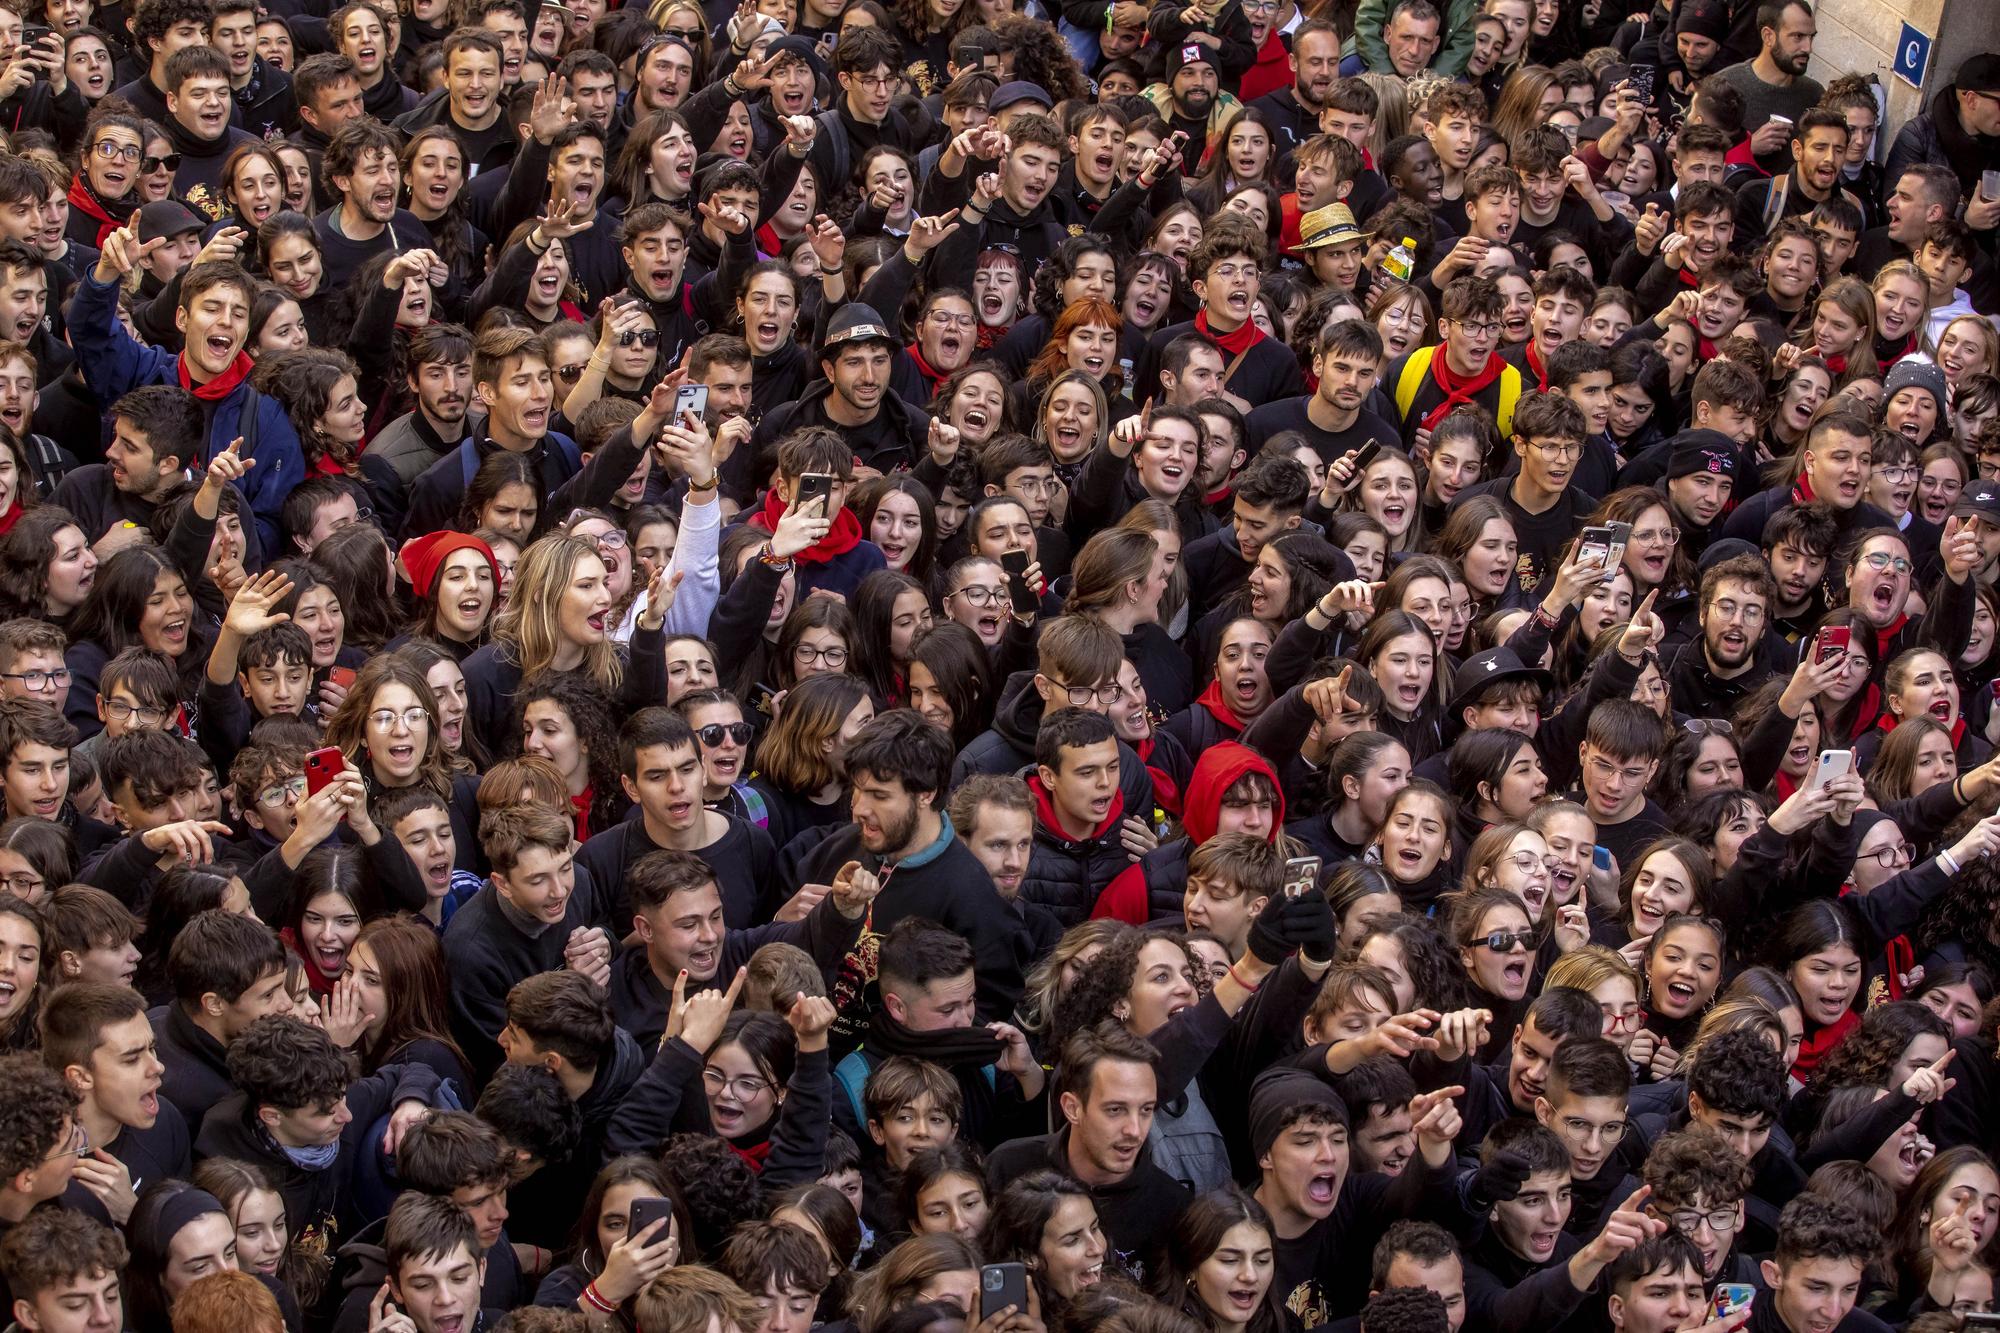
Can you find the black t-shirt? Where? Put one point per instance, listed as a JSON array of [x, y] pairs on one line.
[[1542, 536], [1290, 414]]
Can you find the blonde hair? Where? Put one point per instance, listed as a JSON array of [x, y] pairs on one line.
[[689, 1298], [1590, 967], [528, 623], [1987, 336], [1903, 268]]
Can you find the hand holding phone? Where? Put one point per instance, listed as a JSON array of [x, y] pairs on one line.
[[323, 766], [812, 486], [1301, 875], [1015, 563]]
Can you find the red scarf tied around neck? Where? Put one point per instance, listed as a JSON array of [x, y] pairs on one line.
[[1237, 343], [222, 385], [845, 536], [1537, 367], [932, 376], [86, 203], [1458, 392]]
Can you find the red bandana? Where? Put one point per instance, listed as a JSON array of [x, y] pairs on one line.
[[1704, 348], [1836, 364], [1457, 391], [1164, 787], [1211, 699], [81, 199], [222, 385], [932, 377], [1537, 367], [845, 536], [1237, 343], [1816, 1044]]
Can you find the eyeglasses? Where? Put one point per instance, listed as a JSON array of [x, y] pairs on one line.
[[412, 717], [1506, 941], [1621, 1019], [1528, 863], [1719, 1220], [279, 793], [1882, 560], [108, 151], [22, 884], [76, 1145], [149, 165], [1572, 449], [1707, 726], [975, 595], [1896, 472], [1895, 854], [1585, 1130], [569, 374], [644, 337], [124, 712], [38, 680], [1658, 537], [1484, 329], [747, 1087], [951, 321], [806, 655], [1082, 696], [736, 733]]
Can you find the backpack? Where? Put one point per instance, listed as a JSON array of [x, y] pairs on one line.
[[468, 455]]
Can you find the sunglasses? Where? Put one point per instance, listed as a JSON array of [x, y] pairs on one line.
[[644, 337], [738, 733], [1506, 941], [149, 165], [569, 374]]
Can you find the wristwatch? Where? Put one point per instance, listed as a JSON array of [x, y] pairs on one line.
[[714, 480]]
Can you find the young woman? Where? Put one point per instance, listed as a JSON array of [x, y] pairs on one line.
[[569, 721], [1500, 770], [37, 857], [753, 1079], [816, 639], [1083, 339], [1401, 653], [1220, 1261], [1683, 969], [288, 250], [1489, 925], [1611, 981], [23, 930], [253, 181], [257, 1211], [1415, 843], [899, 514], [395, 969], [1902, 305], [937, 1267], [1479, 541], [606, 1258], [801, 778], [943, 1191], [47, 566], [1401, 313], [359, 568], [179, 1234], [387, 727], [321, 397], [139, 599], [455, 580], [327, 905], [1046, 1221], [102, 197]]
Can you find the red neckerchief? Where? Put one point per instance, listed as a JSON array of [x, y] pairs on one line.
[[320, 982], [990, 334], [1909, 346], [1886, 635], [1456, 390], [1786, 785], [1902, 960], [1237, 343], [1045, 811], [1802, 491], [767, 240], [845, 536], [1537, 367], [1211, 699], [222, 385], [1704, 347], [579, 805], [932, 377], [81, 199], [754, 1155], [1836, 364], [571, 310], [1165, 789], [1816, 1044], [1689, 280], [11, 517], [1887, 722]]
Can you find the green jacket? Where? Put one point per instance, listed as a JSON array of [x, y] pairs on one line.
[[1225, 106], [1454, 43]]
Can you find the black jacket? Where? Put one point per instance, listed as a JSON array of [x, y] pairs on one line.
[[1136, 1213], [1008, 746]]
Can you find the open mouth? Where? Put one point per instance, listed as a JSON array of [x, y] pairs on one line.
[[679, 812], [1144, 308], [1680, 995], [1393, 515], [47, 808], [950, 345], [535, 419], [1409, 695], [1941, 709], [330, 960], [725, 766], [988, 629], [1883, 598], [583, 193], [1515, 972], [438, 872], [149, 1104], [174, 631], [220, 348], [1409, 858], [401, 755], [1246, 689], [1320, 1190], [977, 419]]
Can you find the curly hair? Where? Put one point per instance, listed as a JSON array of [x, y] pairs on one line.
[[1967, 913], [286, 1063], [1429, 960], [595, 718], [1866, 1057], [1695, 1164], [1109, 980], [32, 1113], [304, 382], [1041, 57], [717, 1185]]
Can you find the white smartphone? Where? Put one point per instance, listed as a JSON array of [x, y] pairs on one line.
[[1832, 764]]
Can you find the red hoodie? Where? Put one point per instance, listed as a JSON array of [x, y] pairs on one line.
[[1125, 898]]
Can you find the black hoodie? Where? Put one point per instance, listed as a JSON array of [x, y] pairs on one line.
[[1136, 1212], [1008, 746]]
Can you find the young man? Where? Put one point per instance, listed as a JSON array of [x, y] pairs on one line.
[[1700, 480], [471, 103], [214, 317], [1225, 270], [1081, 827], [31, 661], [360, 166], [1333, 247], [43, 1139], [1656, 1288], [685, 944], [1334, 418], [1838, 456], [1429, 382], [156, 433], [1619, 754], [1737, 1088], [35, 743], [1108, 1089], [299, 1101], [436, 1267], [898, 769], [226, 971], [843, 557], [660, 769], [97, 1039], [62, 1270], [856, 403], [1795, 544], [328, 90], [1581, 372], [533, 916], [262, 92], [1818, 148], [1541, 501], [1704, 215], [1810, 1283], [90, 936], [198, 125], [1421, 1254], [1584, 1104], [1776, 92], [1725, 658], [1698, 1182], [1380, 1090], [782, 1268], [168, 27], [994, 814], [1269, 496], [1230, 879], [927, 982], [1562, 299]]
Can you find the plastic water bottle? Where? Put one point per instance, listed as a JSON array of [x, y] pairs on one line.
[[1400, 262]]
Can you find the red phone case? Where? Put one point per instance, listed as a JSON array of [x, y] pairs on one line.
[[322, 767]]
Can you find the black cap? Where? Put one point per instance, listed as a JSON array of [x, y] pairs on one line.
[[1726, 549], [1979, 499], [857, 323], [1019, 90], [1702, 450], [1980, 74], [802, 47], [167, 217], [1483, 669]]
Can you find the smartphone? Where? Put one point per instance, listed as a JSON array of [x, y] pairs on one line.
[[691, 398], [322, 767], [1642, 83], [34, 32], [1601, 857], [828, 41], [1732, 1298], [1301, 875], [1016, 565], [341, 676], [1979, 1319], [1595, 541], [763, 699], [1832, 764], [814, 486], [647, 1210], [1831, 642], [1366, 455], [1002, 1285]]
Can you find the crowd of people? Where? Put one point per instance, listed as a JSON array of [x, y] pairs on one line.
[[1167, 666]]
